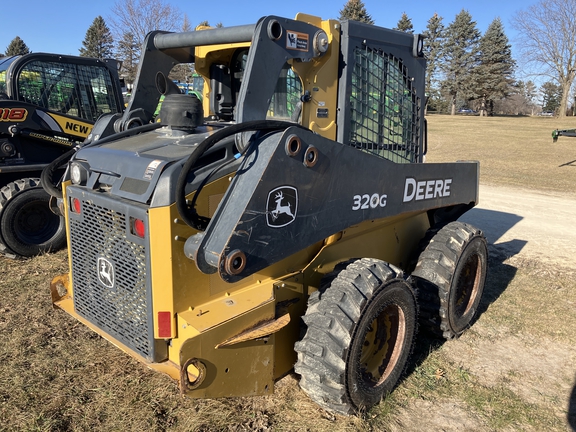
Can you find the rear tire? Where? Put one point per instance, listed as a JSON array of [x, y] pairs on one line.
[[27, 225], [360, 332], [450, 276]]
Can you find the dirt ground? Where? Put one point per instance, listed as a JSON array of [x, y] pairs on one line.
[[521, 226], [535, 225]]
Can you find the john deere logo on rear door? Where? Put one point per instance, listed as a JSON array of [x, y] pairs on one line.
[[105, 272], [281, 206]]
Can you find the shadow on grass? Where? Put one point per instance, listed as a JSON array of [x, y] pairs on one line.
[[572, 408]]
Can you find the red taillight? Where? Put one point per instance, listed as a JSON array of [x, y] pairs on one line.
[[164, 325], [76, 206], [138, 227]]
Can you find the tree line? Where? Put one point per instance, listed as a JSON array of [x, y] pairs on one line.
[[466, 69], [473, 71]]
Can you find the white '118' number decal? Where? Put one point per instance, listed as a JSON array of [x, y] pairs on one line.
[[364, 202]]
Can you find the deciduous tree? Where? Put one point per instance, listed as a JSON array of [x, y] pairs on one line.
[[547, 31], [139, 17], [98, 41]]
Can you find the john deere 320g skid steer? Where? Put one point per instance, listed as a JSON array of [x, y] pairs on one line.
[[287, 222]]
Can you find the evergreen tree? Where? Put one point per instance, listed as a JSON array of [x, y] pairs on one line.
[[551, 96], [493, 75], [460, 58], [98, 42], [404, 24], [127, 52], [355, 10], [17, 47], [523, 97], [433, 40]]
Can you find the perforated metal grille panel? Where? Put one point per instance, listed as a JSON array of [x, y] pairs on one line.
[[109, 275], [385, 108]]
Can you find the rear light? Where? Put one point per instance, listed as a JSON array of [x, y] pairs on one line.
[[137, 227], [75, 205], [164, 325]]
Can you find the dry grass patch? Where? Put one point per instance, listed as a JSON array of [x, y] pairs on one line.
[[513, 370], [513, 151]]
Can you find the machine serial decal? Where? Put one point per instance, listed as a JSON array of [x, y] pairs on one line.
[[365, 202], [426, 189], [13, 114], [296, 41], [281, 206], [151, 169], [105, 272]]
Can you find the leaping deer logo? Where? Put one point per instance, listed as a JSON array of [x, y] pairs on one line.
[[282, 206], [105, 272], [281, 209]]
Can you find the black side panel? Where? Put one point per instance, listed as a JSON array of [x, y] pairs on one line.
[[276, 205]]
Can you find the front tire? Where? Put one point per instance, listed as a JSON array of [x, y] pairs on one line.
[[450, 276], [27, 225], [360, 331]]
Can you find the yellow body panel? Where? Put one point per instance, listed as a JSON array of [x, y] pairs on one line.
[[320, 78], [205, 56]]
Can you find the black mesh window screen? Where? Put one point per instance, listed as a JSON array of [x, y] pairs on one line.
[[78, 90], [384, 117]]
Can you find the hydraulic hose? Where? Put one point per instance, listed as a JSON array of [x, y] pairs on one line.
[[48, 173], [189, 214]]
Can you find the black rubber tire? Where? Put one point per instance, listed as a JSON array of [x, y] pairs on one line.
[[27, 225], [450, 276], [341, 362]]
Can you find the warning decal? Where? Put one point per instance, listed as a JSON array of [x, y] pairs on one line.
[[296, 41]]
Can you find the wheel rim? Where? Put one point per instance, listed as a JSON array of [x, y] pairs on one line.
[[467, 286], [382, 345], [35, 223]]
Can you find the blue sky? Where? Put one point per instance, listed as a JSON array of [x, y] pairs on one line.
[[59, 26]]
